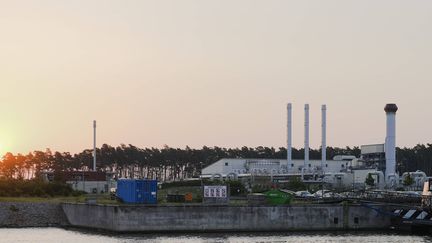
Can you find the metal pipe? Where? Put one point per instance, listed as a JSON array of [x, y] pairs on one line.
[[94, 145], [306, 133], [323, 136], [289, 135]]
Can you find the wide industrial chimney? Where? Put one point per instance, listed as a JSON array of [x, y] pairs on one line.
[[390, 142], [289, 135], [306, 139], [94, 145], [323, 136]]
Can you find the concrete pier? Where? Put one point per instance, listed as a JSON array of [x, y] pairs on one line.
[[204, 218]]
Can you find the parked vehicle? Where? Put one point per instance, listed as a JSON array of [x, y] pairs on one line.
[[304, 194], [321, 193]]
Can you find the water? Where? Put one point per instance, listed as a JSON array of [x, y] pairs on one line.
[[54, 235]]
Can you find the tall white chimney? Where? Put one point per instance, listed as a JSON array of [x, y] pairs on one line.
[[289, 135], [390, 142], [323, 135], [94, 145], [306, 139]]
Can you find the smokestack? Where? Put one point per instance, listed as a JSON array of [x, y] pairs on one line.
[[390, 142], [94, 145], [306, 141], [289, 135], [323, 135]]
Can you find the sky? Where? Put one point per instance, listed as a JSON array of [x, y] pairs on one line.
[[214, 73]]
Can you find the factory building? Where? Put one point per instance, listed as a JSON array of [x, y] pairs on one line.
[[246, 167], [342, 171], [374, 156], [86, 181], [332, 171], [377, 160]]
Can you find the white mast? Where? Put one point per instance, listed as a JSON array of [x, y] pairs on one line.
[[94, 145], [323, 136], [289, 135], [306, 141]]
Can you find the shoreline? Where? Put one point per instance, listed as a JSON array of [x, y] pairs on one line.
[[191, 233], [32, 214], [80, 235], [218, 235]]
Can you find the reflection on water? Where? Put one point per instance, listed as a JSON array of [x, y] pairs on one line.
[[78, 236]]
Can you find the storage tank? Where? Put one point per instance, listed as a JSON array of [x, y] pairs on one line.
[[137, 191]]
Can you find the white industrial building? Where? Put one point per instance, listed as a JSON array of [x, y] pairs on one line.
[[245, 167], [379, 160], [341, 171]]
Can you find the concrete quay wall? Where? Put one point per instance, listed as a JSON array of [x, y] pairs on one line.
[[31, 214], [205, 218]]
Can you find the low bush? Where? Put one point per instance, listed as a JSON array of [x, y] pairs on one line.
[[258, 188], [236, 188], [33, 188]]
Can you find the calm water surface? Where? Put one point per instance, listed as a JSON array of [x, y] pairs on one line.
[[52, 235]]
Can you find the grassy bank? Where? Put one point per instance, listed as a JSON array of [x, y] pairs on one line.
[[162, 195], [43, 199]]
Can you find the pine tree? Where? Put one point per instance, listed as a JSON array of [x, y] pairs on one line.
[[370, 181], [408, 181]]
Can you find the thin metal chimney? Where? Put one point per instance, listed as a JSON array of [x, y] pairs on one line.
[[94, 145], [289, 135], [390, 142], [323, 136], [306, 139]]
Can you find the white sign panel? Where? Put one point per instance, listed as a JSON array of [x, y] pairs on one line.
[[215, 191]]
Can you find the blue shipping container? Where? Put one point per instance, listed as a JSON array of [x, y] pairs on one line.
[[137, 191]]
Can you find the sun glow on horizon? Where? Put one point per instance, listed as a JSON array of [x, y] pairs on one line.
[[2, 150], [4, 147], [9, 134]]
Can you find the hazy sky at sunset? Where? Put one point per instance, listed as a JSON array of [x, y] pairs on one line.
[[215, 73]]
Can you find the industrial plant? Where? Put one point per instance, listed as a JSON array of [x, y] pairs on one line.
[[350, 193], [342, 171], [349, 204]]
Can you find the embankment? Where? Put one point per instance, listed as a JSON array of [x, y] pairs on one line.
[[31, 214]]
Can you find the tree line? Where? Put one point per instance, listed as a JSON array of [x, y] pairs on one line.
[[170, 164]]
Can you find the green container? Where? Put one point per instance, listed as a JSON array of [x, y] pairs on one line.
[[276, 197]]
